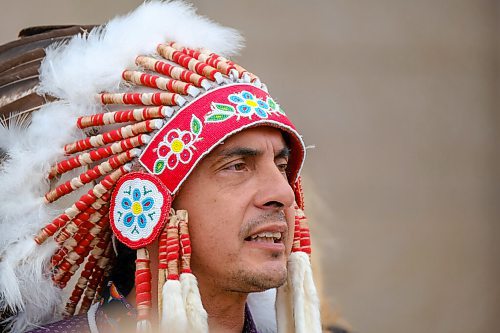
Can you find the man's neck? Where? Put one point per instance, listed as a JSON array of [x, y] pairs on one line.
[[226, 311]]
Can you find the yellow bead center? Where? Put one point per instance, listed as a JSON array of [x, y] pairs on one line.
[[252, 103], [177, 146], [136, 208]]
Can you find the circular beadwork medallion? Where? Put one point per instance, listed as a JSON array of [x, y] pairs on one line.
[[140, 204]]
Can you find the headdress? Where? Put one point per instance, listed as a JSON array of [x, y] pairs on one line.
[[134, 106]]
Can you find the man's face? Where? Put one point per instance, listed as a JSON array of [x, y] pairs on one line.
[[241, 215]]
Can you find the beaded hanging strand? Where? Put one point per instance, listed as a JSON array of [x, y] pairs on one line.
[[90, 215], [162, 264], [72, 242], [143, 291], [72, 261], [173, 316], [196, 315]]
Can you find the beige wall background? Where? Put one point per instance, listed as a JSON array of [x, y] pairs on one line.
[[401, 100]]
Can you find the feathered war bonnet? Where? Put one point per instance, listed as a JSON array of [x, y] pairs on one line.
[[138, 103]]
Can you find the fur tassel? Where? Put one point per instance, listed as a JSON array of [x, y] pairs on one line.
[[284, 310], [305, 299], [196, 315], [297, 267], [144, 326], [311, 302], [173, 317]]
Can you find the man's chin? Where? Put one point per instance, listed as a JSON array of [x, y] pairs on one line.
[[264, 278]]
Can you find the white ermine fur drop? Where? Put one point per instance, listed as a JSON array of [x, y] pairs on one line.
[[173, 317], [196, 315], [303, 292], [296, 273], [284, 310]]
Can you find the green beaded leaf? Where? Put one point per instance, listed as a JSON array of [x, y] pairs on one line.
[[218, 117], [159, 166], [195, 125], [271, 103], [223, 107]]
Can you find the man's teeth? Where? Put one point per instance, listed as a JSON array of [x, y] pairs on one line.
[[266, 237]]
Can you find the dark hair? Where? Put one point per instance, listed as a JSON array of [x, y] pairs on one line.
[[123, 272]]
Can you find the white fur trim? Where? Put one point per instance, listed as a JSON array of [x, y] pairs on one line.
[[296, 272], [196, 314], [284, 310], [173, 317], [305, 299], [311, 304]]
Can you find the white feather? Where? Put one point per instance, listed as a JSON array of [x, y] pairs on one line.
[[90, 64], [23, 214]]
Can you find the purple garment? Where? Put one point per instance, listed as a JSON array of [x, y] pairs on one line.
[[76, 324], [79, 324], [249, 325]]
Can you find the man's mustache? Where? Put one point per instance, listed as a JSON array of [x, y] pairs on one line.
[[263, 219]]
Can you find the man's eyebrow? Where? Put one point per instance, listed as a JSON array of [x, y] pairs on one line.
[[283, 153], [239, 151], [249, 152]]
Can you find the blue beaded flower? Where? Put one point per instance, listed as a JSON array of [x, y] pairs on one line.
[[135, 208], [247, 104]]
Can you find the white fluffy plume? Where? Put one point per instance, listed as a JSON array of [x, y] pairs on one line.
[[90, 64], [74, 72], [25, 284]]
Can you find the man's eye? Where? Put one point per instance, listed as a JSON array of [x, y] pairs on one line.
[[282, 167], [236, 166]]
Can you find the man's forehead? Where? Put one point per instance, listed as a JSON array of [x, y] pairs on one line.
[[257, 139]]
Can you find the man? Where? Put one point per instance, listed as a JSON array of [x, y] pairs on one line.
[[204, 148]]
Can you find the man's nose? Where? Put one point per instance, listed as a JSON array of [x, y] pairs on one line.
[[274, 191]]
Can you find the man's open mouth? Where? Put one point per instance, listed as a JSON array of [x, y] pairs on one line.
[[267, 237]]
